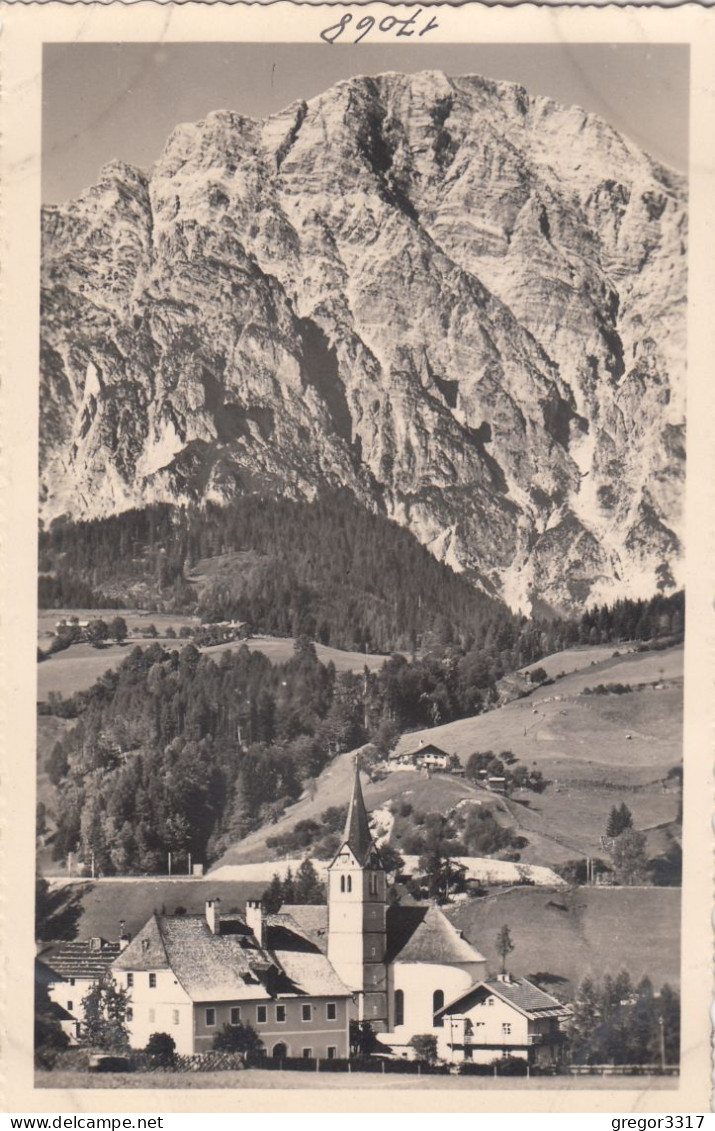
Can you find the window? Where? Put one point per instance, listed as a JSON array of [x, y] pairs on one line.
[[399, 1007], [437, 1003], [130, 981], [152, 1016], [506, 1028], [210, 1017], [307, 1054], [261, 1014], [490, 1001], [71, 981], [332, 1052], [174, 1017], [235, 1016], [342, 883], [130, 1013], [307, 1012], [280, 1013], [70, 1006], [350, 883], [373, 883], [152, 981], [331, 1011]]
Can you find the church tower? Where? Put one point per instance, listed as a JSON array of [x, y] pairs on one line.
[[357, 907]]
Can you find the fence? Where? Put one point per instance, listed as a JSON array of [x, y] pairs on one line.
[[623, 1070]]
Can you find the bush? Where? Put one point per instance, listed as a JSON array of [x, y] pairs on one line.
[[509, 1065], [470, 1068], [161, 1047]]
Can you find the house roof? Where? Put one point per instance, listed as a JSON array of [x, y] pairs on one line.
[[88, 958], [305, 920], [357, 826], [527, 998], [311, 974], [222, 967], [231, 966], [424, 934]]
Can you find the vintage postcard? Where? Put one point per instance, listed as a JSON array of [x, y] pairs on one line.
[[357, 507]]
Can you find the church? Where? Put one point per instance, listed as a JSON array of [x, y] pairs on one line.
[[401, 963], [300, 976]]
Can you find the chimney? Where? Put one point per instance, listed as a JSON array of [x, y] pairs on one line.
[[254, 919], [124, 936], [213, 915]]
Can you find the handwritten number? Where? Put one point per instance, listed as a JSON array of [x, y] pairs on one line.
[[429, 27], [330, 34], [367, 22]]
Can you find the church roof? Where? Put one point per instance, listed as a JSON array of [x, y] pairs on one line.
[[424, 934], [357, 826]]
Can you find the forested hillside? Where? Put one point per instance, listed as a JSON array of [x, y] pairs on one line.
[[329, 569]]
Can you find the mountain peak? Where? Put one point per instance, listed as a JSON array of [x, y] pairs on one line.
[[464, 304]]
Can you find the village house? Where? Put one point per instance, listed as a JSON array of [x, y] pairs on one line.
[[427, 756], [68, 974], [504, 1016], [189, 975]]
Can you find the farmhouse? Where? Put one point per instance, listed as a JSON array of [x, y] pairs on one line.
[[426, 756], [189, 975], [504, 1016], [70, 972]]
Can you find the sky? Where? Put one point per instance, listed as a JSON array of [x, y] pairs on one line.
[[104, 101]]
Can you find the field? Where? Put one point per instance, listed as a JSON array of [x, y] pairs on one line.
[[89, 908], [80, 666], [255, 1078], [567, 934]]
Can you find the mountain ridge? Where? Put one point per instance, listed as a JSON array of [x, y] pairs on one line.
[[470, 329]]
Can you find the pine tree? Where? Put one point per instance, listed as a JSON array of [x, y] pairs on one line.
[[504, 946]]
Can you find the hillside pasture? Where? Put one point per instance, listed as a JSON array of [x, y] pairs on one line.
[[568, 934], [95, 908]]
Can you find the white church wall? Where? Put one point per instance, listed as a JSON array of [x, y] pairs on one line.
[[418, 982]]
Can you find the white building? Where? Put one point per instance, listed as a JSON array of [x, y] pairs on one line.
[[189, 975], [504, 1016], [69, 973]]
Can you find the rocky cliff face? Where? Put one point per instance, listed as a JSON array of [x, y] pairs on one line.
[[463, 303]]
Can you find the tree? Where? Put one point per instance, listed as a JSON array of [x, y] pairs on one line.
[[241, 1038], [629, 857], [391, 859], [425, 1046], [504, 946], [161, 1047], [272, 897], [97, 632], [363, 1040], [539, 675], [118, 629], [104, 1009], [308, 888], [619, 819], [50, 1038]]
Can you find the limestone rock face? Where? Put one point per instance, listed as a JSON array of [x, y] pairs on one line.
[[463, 303]]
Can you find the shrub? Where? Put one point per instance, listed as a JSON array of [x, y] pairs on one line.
[[425, 1046], [509, 1065], [161, 1047]]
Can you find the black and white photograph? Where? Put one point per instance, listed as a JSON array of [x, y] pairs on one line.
[[361, 564]]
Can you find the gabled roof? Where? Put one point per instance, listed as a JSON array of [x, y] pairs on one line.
[[89, 958], [523, 995], [424, 934], [222, 967], [308, 921], [231, 966], [357, 826]]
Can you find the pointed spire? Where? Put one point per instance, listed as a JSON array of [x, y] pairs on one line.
[[357, 827]]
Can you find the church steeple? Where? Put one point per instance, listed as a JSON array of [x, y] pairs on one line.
[[357, 905], [358, 837]]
